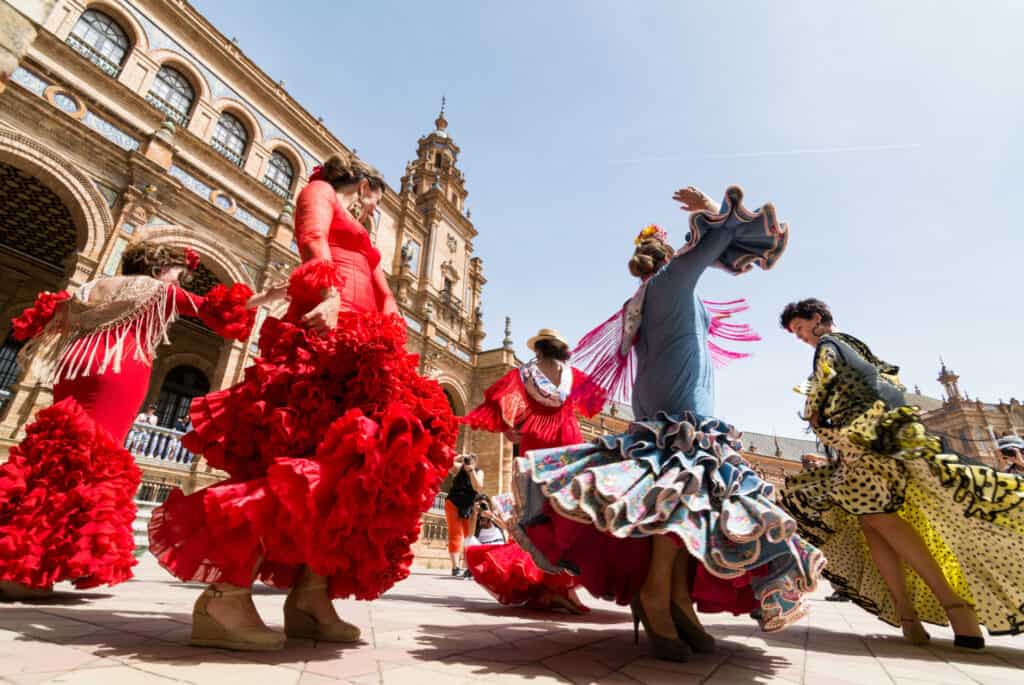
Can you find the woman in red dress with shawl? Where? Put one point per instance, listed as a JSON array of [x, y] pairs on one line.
[[67, 491], [334, 444], [534, 406]]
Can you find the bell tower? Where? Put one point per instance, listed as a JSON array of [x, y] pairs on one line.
[[950, 383]]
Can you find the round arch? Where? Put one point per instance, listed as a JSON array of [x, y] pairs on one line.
[[237, 109], [220, 262], [181, 63], [136, 33], [456, 395], [87, 207], [290, 153]]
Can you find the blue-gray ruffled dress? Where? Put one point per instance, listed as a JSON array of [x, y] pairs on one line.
[[591, 509]]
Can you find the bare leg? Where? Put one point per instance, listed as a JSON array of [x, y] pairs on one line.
[[890, 567], [656, 592], [903, 540], [455, 559], [681, 585]]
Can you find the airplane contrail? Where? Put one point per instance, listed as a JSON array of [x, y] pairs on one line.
[[771, 153]]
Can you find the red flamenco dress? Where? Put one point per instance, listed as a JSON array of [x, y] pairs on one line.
[[67, 490], [334, 445], [545, 416]]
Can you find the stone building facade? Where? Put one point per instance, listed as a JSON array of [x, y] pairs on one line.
[[121, 116]]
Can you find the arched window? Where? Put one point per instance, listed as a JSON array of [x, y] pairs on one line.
[[181, 386], [230, 138], [100, 40], [172, 94], [280, 175], [9, 369]]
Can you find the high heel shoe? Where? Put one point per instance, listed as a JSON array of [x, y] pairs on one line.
[[913, 631], [693, 633], [965, 641], [207, 631], [665, 648], [302, 624]]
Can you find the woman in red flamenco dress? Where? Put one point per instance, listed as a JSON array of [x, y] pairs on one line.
[[334, 444], [534, 406], [67, 491]]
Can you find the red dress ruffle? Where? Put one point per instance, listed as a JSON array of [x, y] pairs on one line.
[[335, 446], [68, 503], [508, 405], [508, 573], [33, 320]]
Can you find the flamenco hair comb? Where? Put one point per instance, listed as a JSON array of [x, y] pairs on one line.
[[652, 231], [191, 259]]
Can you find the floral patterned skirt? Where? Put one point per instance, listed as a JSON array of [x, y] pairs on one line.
[[591, 509]]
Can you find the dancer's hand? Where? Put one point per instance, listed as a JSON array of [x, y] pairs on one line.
[[271, 294], [694, 200], [324, 316]]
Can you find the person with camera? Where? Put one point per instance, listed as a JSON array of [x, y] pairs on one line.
[[467, 483], [506, 571]]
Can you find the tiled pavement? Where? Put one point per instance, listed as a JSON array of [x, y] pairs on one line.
[[436, 630]]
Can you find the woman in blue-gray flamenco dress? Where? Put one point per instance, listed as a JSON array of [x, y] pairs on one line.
[[628, 513]]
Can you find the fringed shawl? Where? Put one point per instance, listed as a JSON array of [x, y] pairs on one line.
[[86, 328]]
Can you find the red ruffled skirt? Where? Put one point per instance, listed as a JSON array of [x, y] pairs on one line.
[[508, 573], [335, 447], [67, 503]]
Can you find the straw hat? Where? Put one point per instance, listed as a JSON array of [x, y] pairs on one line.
[[546, 334]]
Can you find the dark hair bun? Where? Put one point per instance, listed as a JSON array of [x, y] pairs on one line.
[[345, 169], [649, 256]]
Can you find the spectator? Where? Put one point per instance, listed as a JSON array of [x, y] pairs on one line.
[[458, 506], [137, 437], [1011, 448], [148, 417]]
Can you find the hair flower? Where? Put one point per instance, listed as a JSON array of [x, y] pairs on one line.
[[652, 231], [191, 259]]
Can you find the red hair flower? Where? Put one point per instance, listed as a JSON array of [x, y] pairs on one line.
[[191, 259]]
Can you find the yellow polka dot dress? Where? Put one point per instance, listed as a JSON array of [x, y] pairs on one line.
[[971, 518]]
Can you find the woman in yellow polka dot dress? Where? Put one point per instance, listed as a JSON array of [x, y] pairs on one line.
[[911, 534]]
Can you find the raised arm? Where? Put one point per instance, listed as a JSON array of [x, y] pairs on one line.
[[731, 237]]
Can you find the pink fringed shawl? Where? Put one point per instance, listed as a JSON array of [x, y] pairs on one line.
[[607, 356]]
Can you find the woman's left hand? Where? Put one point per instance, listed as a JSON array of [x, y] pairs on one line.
[[694, 200]]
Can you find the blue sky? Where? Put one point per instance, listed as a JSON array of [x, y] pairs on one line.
[[887, 134]]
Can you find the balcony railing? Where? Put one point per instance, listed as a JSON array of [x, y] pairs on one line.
[[87, 51], [173, 114], [277, 187], [156, 444], [226, 152]]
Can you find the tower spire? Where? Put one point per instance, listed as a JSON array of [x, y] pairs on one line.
[[441, 123]]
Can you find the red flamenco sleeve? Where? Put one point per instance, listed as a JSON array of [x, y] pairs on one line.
[[504, 406], [224, 310], [588, 396], [34, 319]]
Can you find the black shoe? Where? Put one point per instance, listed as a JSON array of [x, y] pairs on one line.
[[456, 572], [664, 648], [467, 574], [693, 633], [837, 597]]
